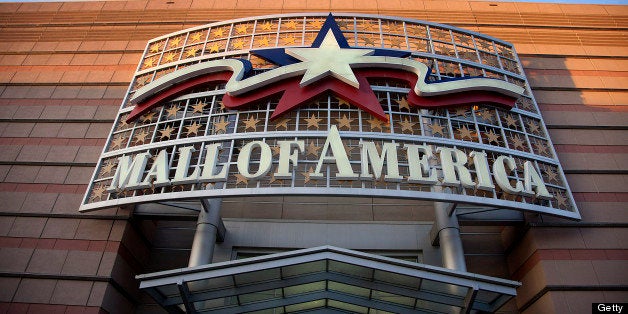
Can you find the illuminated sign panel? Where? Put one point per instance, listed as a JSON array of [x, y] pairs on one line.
[[321, 105]]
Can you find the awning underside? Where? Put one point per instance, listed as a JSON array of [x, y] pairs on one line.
[[325, 279]]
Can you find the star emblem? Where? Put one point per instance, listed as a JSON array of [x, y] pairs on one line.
[[465, 133], [196, 37], [328, 60], [221, 125], [313, 121], [403, 103], [98, 193], [241, 179], [273, 179], [198, 107], [283, 123], [191, 52], [534, 127], [219, 32], [148, 118], [264, 42], [406, 125], [517, 142], [561, 201], [193, 128], [156, 47], [172, 112], [267, 26], [107, 168], [251, 123], [510, 121], [241, 29], [368, 41], [291, 24], [140, 137], [238, 43], [316, 24], [175, 42], [307, 174], [312, 149], [169, 57], [541, 148], [117, 142], [375, 124], [437, 129], [276, 150], [290, 40], [491, 137], [344, 121], [487, 115], [150, 62], [214, 48], [166, 133], [551, 175]]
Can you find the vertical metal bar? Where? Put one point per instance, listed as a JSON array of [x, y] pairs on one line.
[[206, 233], [449, 235]]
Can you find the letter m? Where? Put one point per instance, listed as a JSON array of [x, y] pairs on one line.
[[129, 173], [372, 157]]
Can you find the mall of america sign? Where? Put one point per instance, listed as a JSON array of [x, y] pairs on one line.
[[331, 105]]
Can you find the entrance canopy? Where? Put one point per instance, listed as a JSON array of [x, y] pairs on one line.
[[325, 279]]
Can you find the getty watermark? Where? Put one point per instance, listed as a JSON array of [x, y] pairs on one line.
[[609, 308]]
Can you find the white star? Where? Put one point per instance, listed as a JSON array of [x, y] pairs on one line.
[[329, 59]]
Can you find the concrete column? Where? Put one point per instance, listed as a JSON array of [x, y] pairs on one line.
[[449, 237], [206, 233]]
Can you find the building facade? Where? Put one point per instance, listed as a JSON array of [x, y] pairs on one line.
[[71, 71]]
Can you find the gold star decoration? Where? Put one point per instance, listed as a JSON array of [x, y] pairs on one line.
[[276, 150], [140, 137], [561, 201], [552, 176], [175, 42], [264, 41], [238, 44], [461, 111], [273, 179], [193, 128], [283, 123], [437, 129], [344, 121], [313, 121], [214, 48], [289, 40], [98, 193], [221, 125], [368, 41], [107, 168], [156, 47], [510, 121], [291, 24], [219, 32], [396, 42], [117, 142], [376, 124], [316, 24], [307, 174], [172, 112], [196, 37], [241, 179], [487, 115], [242, 29], [517, 142], [312, 149], [148, 118], [348, 149], [191, 52], [267, 26], [406, 125], [169, 57], [492, 137], [534, 127], [251, 123], [541, 148], [149, 63], [198, 107], [342, 103], [167, 132], [403, 103], [465, 132]]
